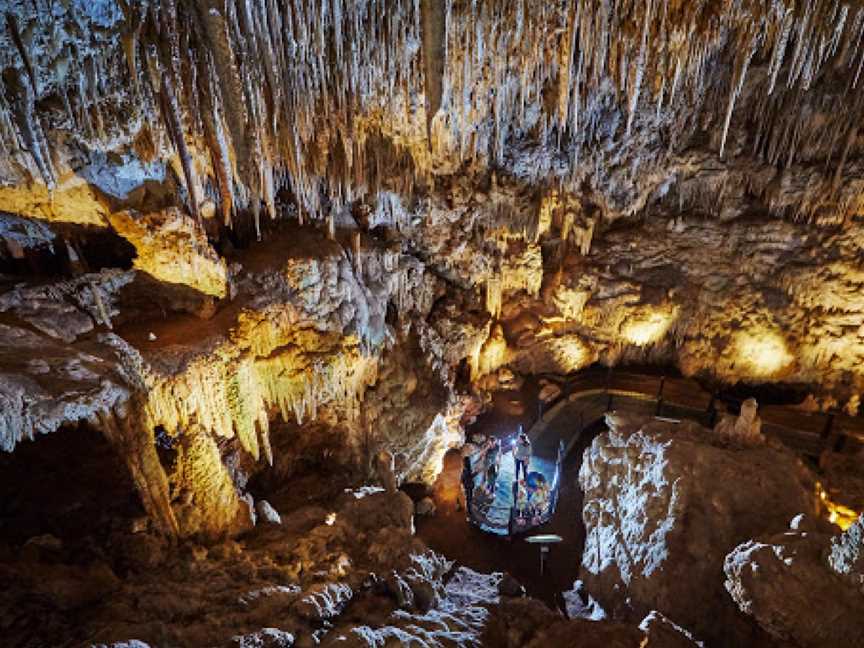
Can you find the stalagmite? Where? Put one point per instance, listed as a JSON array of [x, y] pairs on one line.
[[100, 305]]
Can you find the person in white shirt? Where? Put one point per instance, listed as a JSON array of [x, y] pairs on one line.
[[522, 454]]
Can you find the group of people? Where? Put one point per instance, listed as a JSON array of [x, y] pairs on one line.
[[486, 462], [530, 502]]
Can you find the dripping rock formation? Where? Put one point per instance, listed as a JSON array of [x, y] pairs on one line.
[[249, 248]]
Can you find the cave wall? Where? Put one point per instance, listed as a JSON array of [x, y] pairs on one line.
[[333, 206]]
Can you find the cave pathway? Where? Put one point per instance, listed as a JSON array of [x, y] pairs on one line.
[[576, 418]]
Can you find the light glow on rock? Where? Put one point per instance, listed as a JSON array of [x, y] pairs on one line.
[[762, 354], [842, 516], [491, 355], [571, 353], [649, 326]]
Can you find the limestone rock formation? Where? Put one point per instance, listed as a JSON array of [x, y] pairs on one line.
[[746, 428], [666, 500], [385, 470], [282, 582], [806, 587], [248, 241]]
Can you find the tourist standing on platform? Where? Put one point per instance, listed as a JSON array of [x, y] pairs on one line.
[[493, 460], [468, 484], [522, 454]]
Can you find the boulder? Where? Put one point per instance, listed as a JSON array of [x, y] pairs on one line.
[[528, 623], [425, 507], [806, 587], [579, 604], [264, 638], [267, 513], [400, 590], [425, 594], [549, 391], [509, 586], [379, 511], [323, 601], [664, 503]]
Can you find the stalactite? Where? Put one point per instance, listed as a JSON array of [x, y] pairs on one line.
[[171, 112], [639, 71], [12, 26], [276, 88], [741, 65], [434, 29], [217, 144], [27, 120], [494, 288]]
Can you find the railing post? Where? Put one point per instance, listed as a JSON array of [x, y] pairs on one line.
[[829, 424], [659, 407], [712, 411]]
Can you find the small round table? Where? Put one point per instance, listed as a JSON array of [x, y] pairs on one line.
[[544, 540]]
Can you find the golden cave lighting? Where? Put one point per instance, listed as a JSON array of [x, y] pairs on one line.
[[649, 327], [761, 353], [842, 516], [570, 352], [491, 354]]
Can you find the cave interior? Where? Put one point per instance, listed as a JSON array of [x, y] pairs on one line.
[[274, 272]]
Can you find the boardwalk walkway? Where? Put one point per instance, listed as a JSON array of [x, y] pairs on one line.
[[590, 394]]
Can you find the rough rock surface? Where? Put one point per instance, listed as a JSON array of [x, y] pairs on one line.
[[281, 581], [304, 340], [527, 623], [474, 219], [806, 587], [666, 500]]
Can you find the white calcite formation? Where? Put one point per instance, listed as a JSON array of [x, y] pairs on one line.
[[304, 340], [664, 503], [804, 586]]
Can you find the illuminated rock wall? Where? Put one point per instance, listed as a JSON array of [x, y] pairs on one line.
[[501, 183]]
